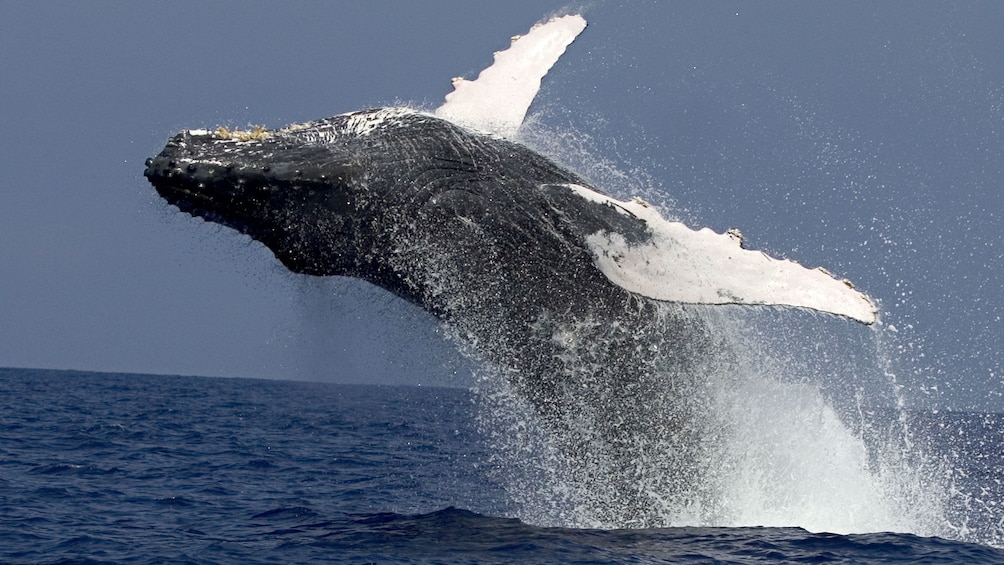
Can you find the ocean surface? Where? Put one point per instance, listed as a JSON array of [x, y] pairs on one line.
[[124, 468]]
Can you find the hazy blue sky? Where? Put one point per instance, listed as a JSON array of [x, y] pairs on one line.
[[865, 137]]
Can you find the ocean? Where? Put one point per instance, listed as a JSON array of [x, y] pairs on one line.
[[126, 468]]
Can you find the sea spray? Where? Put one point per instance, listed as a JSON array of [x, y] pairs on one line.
[[817, 437], [792, 419], [769, 448], [789, 419]]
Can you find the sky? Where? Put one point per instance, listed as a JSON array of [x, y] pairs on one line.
[[864, 137]]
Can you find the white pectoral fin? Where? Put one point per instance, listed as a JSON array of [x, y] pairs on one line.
[[497, 101], [680, 264]]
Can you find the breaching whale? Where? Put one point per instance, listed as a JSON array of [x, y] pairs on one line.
[[585, 303]]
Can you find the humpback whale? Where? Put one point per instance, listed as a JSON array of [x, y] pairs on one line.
[[583, 302]]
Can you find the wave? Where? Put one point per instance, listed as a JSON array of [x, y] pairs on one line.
[[453, 534]]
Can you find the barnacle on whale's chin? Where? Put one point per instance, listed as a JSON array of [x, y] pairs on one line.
[[256, 133]]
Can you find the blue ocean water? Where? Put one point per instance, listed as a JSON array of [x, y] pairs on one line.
[[122, 468]]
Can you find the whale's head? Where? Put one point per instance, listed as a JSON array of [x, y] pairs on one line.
[[310, 192]]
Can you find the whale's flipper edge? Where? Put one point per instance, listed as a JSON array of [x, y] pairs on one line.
[[497, 101], [680, 264]]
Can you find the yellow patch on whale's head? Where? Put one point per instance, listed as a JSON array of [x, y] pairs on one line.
[[254, 134]]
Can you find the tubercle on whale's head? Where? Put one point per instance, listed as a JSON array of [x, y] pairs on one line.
[[293, 189]]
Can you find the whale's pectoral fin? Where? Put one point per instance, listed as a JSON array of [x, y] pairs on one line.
[[498, 100], [640, 251]]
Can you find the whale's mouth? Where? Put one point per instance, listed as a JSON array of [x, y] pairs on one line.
[[238, 179], [201, 205], [197, 186], [282, 188], [170, 181]]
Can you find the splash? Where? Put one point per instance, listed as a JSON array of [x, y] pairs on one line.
[[768, 444], [793, 419], [816, 438]]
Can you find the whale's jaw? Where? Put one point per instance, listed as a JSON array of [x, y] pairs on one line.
[[278, 189]]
